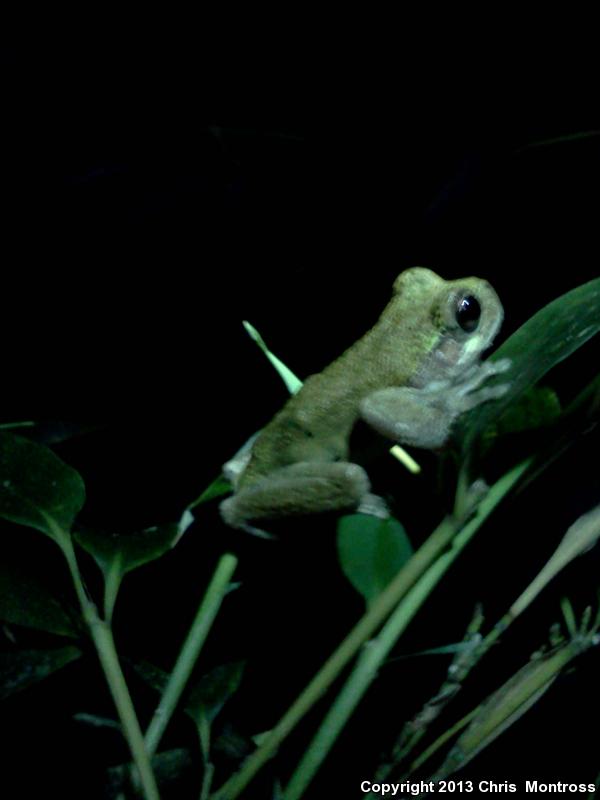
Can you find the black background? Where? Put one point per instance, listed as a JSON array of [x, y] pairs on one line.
[[156, 191]]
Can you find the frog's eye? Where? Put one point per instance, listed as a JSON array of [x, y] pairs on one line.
[[468, 313]]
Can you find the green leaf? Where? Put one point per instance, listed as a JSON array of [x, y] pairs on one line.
[[13, 426], [537, 407], [546, 339], [292, 382], [25, 601], [219, 487], [22, 669], [371, 551], [122, 553], [212, 691], [94, 721], [154, 676], [37, 488], [206, 698], [117, 554], [169, 767]]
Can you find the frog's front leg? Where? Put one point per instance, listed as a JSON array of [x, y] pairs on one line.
[[408, 416], [424, 417], [303, 488]]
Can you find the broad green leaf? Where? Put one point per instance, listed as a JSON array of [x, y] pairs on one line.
[[25, 601], [546, 339], [117, 554], [212, 691], [21, 669], [37, 488], [121, 553], [371, 551], [292, 382]]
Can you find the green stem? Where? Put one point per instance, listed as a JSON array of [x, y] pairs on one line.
[[105, 647], [103, 639], [88, 609], [377, 651], [207, 777], [189, 653], [406, 578]]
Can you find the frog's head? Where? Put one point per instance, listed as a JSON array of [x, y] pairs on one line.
[[459, 318]]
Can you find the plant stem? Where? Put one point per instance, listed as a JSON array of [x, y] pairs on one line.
[[103, 639], [188, 656], [209, 771], [105, 647]]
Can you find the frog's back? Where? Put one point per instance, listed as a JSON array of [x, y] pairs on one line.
[[315, 424]]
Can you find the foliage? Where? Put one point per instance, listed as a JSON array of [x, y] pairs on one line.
[[40, 491]]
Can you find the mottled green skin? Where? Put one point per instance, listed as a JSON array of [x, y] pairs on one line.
[[315, 424]]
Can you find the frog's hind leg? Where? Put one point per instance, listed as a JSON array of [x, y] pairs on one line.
[[296, 490]]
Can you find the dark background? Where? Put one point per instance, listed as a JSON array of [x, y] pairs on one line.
[[157, 192]]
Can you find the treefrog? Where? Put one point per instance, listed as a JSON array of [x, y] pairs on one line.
[[409, 378]]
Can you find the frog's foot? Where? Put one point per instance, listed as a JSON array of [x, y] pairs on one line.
[[480, 372], [374, 506], [471, 399], [229, 515], [470, 393], [296, 490]]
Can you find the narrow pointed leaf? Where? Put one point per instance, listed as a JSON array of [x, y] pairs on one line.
[[218, 488], [506, 705], [292, 382]]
